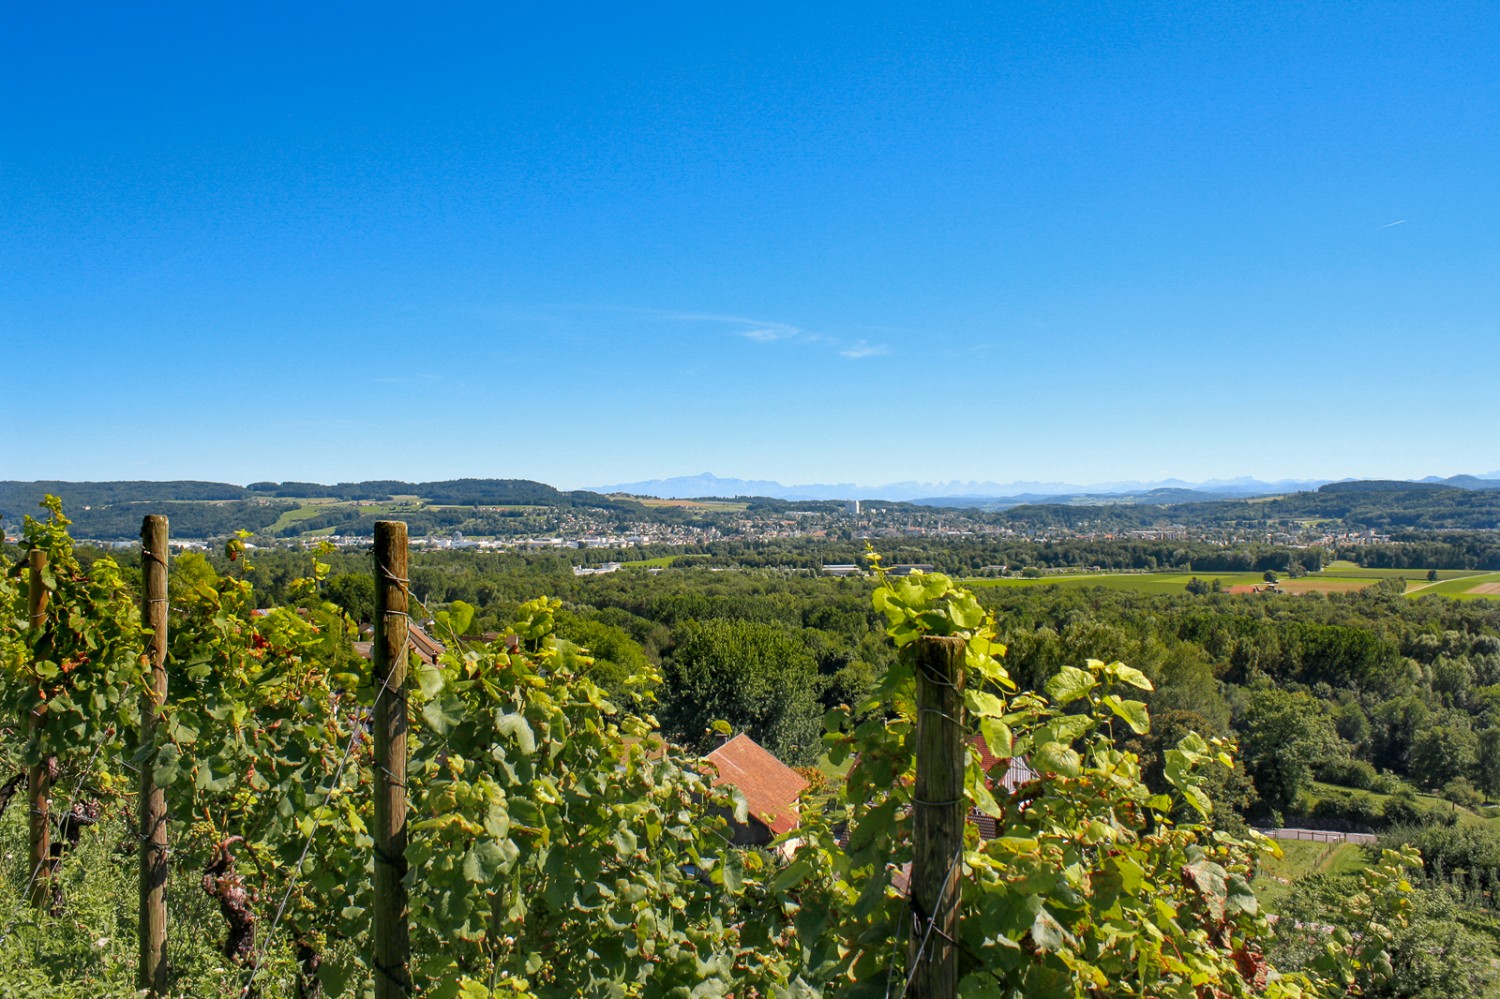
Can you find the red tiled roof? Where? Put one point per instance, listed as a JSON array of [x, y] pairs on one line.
[[424, 645], [770, 787], [1016, 774]]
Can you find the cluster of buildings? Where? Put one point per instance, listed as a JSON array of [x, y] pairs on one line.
[[597, 570], [589, 528]]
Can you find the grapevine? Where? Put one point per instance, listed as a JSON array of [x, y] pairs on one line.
[[559, 846]]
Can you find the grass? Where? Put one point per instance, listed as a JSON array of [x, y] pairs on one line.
[[1299, 858], [1426, 802], [1459, 588], [1140, 582], [490, 507], [1324, 584], [1354, 571], [297, 516], [318, 507], [87, 948], [726, 506], [661, 562], [1339, 577]]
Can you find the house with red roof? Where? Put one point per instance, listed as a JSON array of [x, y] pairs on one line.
[[769, 786], [427, 648], [1017, 772]]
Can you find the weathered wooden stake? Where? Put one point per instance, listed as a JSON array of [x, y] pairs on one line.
[[39, 777], [153, 802], [938, 814], [392, 935]]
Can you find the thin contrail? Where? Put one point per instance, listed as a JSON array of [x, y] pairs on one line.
[[1389, 224]]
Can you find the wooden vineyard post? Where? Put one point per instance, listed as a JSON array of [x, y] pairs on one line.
[[153, 802], [392, 934], [938, 819], [39, 776]]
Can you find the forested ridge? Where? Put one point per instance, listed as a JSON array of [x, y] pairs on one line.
[[112, 510], [1354, 506], [507, 507]]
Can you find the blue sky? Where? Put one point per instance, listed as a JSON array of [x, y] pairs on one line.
[[862, 242]]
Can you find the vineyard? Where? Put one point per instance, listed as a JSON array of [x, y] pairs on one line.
[[222, 799]]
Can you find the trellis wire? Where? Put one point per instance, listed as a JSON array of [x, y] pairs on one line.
[[264, 948], [932, 920], [72, 801]]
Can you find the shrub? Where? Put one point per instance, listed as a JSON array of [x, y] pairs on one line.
[[1343, 807], [1405, 808], [1461, 791], [1348, 773], [1386, 782]]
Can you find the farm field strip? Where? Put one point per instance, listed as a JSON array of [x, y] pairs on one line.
[[1143, 582], [1479, 587], [728, 506], [1463, 584], [319, 506], [1353, 571], [296, 515], [1325, 584]]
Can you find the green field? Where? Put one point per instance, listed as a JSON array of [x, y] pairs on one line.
[[296, 516], [488, 507], [1140, 582], [651, 563], [317, 507], [1354, 571], [1337, 578], [721, 506], [1460, 588]]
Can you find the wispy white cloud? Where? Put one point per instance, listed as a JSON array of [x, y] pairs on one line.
[[766, 331], [764, 334], [760, 331]]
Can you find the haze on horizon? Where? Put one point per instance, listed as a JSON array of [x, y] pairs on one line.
[[854, 244]]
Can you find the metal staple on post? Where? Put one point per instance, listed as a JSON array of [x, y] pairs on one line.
[[950, 890]]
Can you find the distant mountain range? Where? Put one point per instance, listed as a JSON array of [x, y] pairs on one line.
[[995, 494]]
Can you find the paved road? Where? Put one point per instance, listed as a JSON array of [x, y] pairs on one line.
[[1319, 836]]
